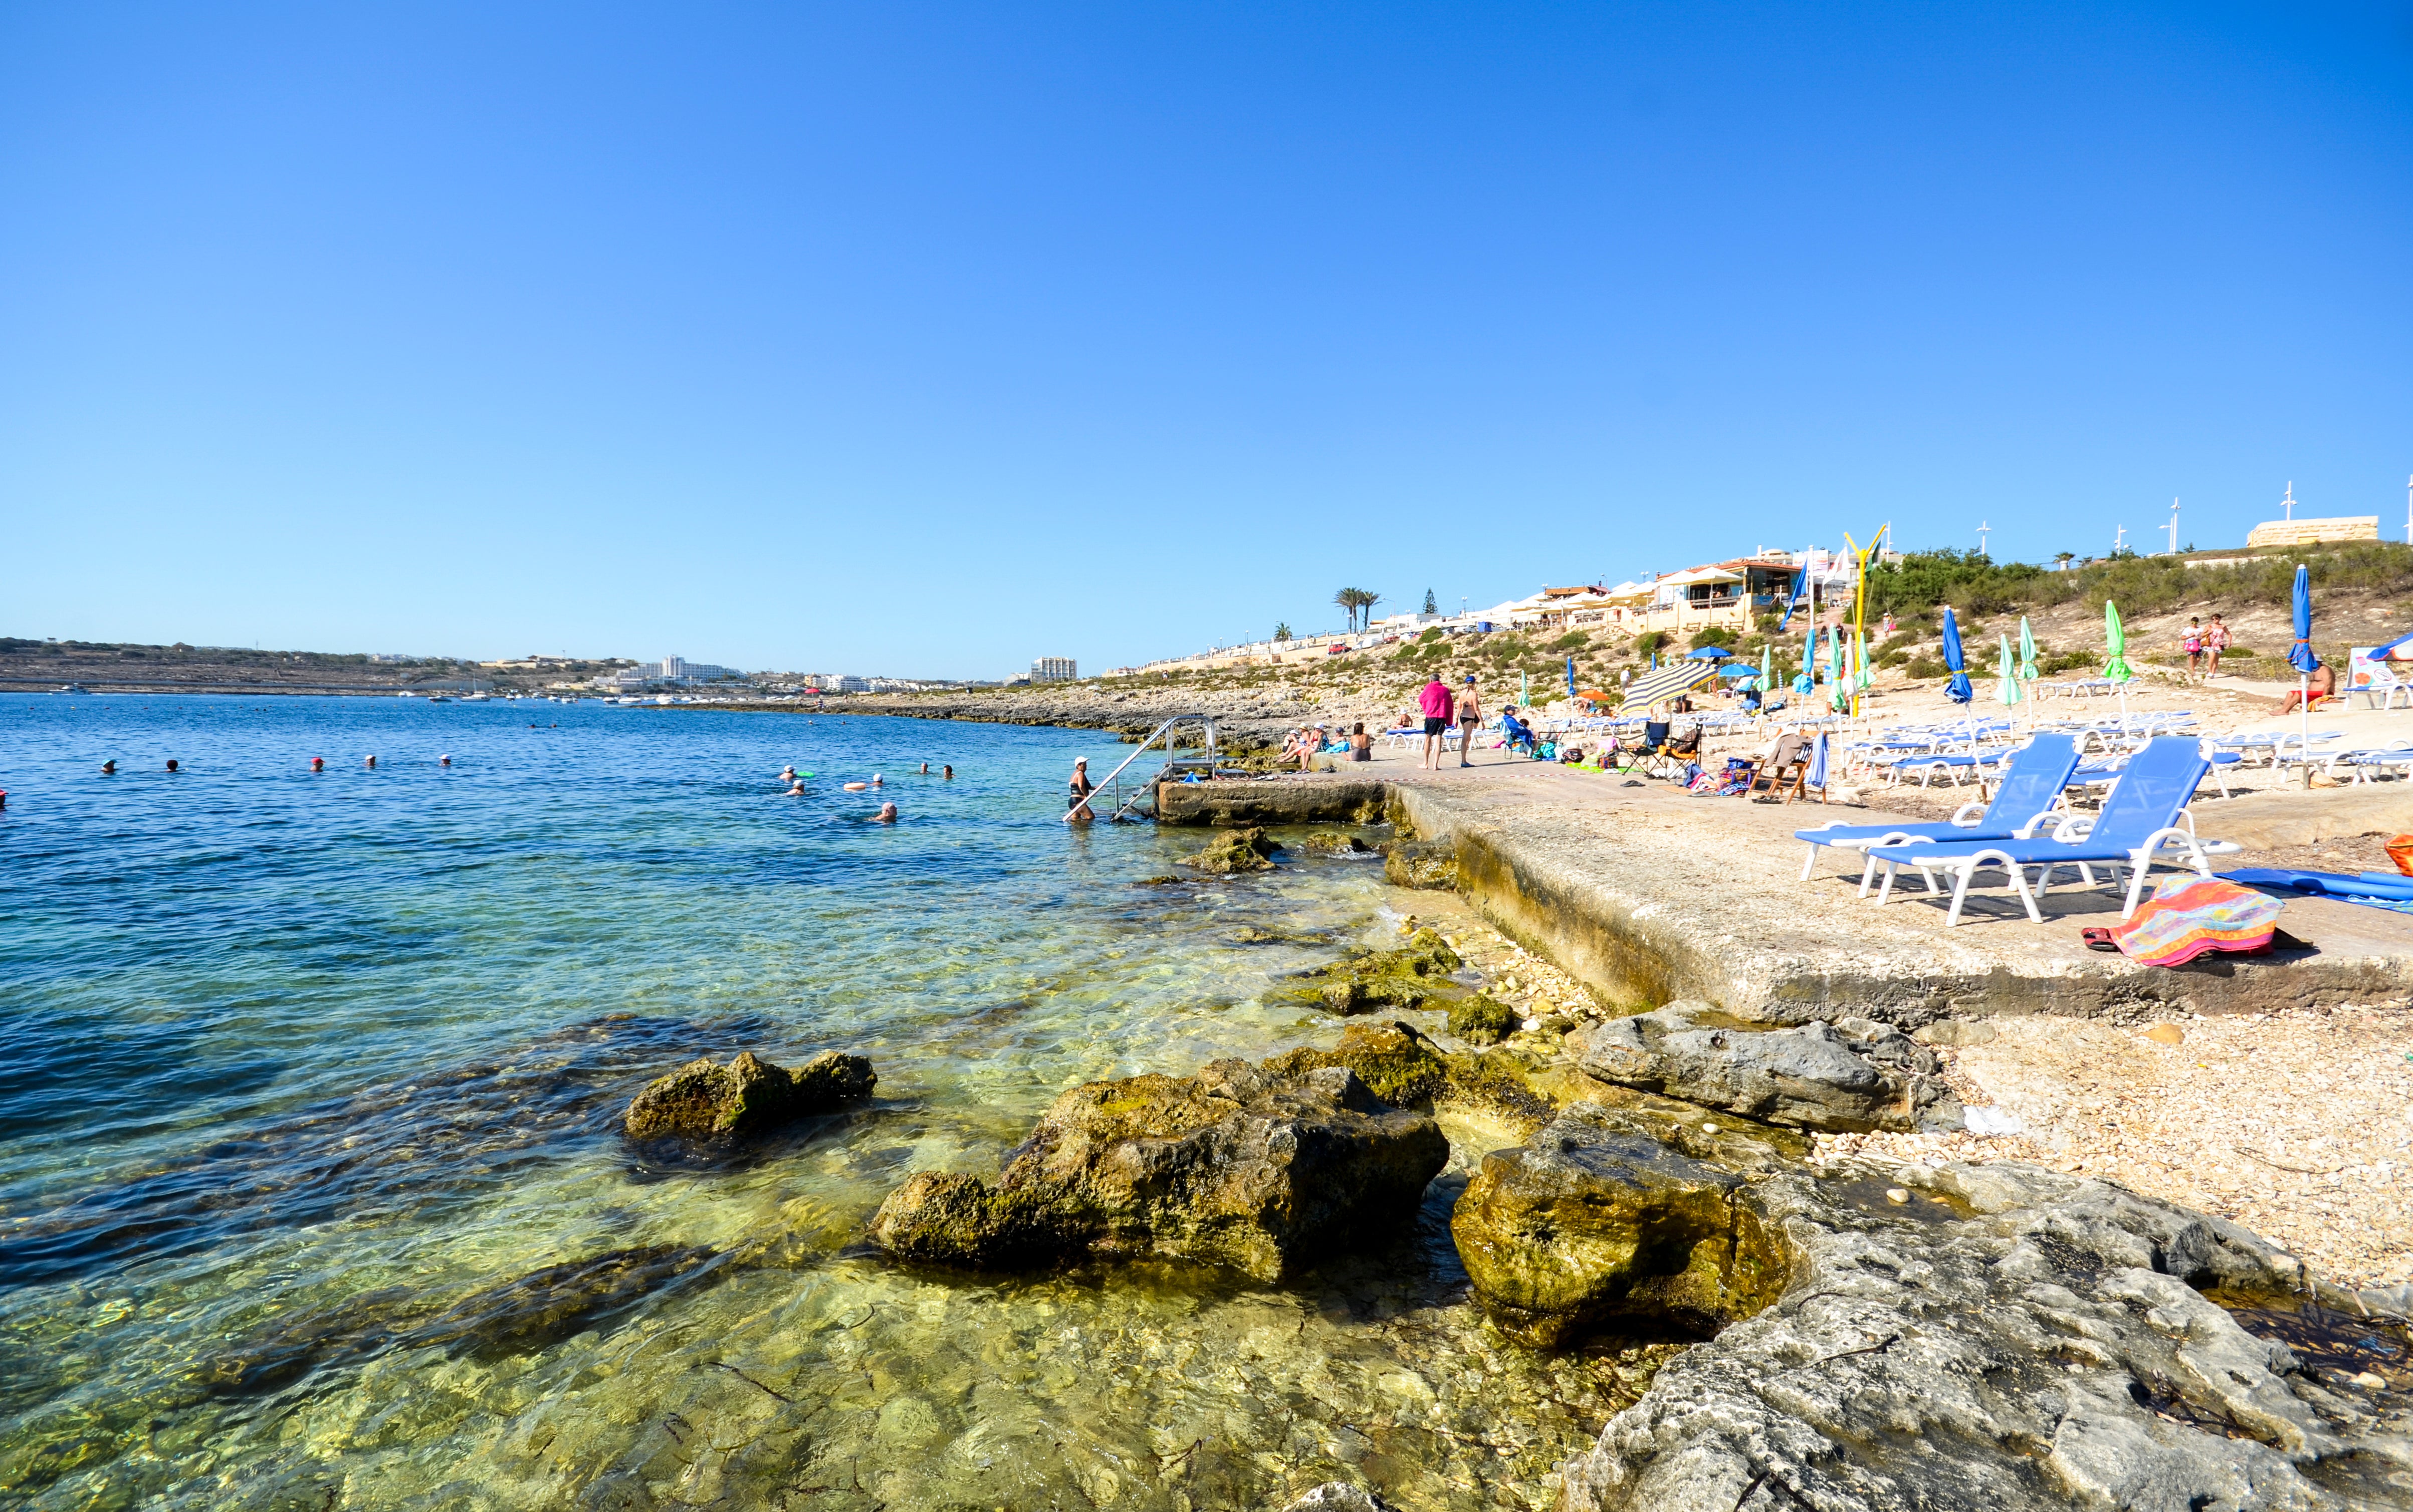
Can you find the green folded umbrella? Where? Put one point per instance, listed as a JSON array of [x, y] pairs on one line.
[[2007, 674], [2115, 640], [1864, 676], [1767, 670], [2027, 652]]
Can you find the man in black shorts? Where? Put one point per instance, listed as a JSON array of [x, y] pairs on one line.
[[1436, 702]]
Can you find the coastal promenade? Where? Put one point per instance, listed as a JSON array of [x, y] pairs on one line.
[[1646, 894]]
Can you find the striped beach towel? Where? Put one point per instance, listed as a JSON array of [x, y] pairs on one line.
[[2187, 916]]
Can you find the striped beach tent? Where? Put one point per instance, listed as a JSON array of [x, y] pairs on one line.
[[1669, 681]]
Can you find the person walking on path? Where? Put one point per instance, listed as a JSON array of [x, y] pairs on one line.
[[1435, 702], [2215, 641], [2191, 641], [1470, 719]]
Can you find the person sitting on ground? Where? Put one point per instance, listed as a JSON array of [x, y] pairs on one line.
[[1361, 745], [1311, 743], [2323, 684]]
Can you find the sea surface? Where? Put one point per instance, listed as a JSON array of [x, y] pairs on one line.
[[312, 1186]]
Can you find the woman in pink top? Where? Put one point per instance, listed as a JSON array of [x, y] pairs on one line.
[[1436, 702]]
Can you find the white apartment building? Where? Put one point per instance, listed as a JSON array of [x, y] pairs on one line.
[[1054, 670]]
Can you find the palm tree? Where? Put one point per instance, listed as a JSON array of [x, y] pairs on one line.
[[1281, 629], [1347, 600]]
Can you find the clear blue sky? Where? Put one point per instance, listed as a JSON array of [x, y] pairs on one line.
[[929, 340]]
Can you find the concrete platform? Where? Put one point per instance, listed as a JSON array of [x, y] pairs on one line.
[[1648, 894]]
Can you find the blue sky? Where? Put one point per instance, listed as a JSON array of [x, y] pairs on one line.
[[929, 340]]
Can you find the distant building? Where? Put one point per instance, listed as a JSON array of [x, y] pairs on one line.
[[2312, 532], [1054, 670], [674, 671]]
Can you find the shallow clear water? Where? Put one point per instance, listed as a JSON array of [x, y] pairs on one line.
[[311, 1186]]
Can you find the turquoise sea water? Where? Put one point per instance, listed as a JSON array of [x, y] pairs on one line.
[[312, 1190]]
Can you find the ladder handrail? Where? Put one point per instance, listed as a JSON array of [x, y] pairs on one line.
[[1135, 755]]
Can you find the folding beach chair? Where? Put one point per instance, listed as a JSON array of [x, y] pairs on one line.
[[2030, 790], [2138, 824]]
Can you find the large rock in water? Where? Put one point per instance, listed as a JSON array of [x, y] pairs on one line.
[[1595, 1218], [1235, 851], [704, 1101], [1239, 1165], [1430, 865], [2004, 1340], [1369, 978], [1847, 1078]]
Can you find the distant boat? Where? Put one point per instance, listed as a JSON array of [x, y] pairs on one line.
[[75, 688]]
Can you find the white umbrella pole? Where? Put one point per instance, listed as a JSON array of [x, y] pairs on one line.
[[2304, 722]]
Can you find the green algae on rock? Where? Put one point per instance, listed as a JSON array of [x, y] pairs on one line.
[[1337, 842], [1481, 1020], [1595, 1219], [1403, 1066], [749, 1095], [1430, 865], [1401, 978], [1241, 1166], [1235, 851]]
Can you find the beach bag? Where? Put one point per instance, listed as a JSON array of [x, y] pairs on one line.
[[2400, 851], [2189, 916]]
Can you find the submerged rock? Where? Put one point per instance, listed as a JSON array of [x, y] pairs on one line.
[[1846, 1077], [1401, 978], [1337, 1496], [702, 1101], [1430, 865], [1235, 851], [1595, 1218], [1405, 1068], [1481, 1020], [2008, 1339], [1338, 842], [1257, 1169]]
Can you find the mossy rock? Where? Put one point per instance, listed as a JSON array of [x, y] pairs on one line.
[[1337, 842], [704, 1101], [1407, 977], [1235, 851], [1395, 1063], [1481, 1020], [1428, 865]]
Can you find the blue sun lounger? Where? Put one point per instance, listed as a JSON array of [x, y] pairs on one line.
[[2031, 786], [2138, 820]]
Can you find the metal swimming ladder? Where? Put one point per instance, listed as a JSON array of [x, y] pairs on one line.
[[1111, 792]]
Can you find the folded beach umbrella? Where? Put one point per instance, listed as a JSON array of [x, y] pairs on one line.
[[1958, 690], [2007, 674], [1864, 676], [2301, 655], [1571, 677], [2115, 641], [1767, 668], [1816, 777], [2027, 652]]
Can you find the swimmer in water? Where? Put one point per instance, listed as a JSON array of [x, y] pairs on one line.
[[317, 764], [887, 814], [857, 787], [443, 761], [948, 772], [372, 764], [109, 769], [171, 764], [788, 773], [795, 791], [879, 782], [925, 769]]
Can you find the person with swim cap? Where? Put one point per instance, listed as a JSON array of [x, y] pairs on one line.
[[879, 782], [788, 773], [443, 761], [372, 764], [1081, 788], [795, 791], [317, 764]]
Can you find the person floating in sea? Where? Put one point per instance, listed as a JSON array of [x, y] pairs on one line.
[[797, 790], [109, 769], [1435, 702], [879, 782], [1081, 788], [947, 772], [372, 764], [443, 761], [858, 786], [887, 814], [925, 769], [788, 773]]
